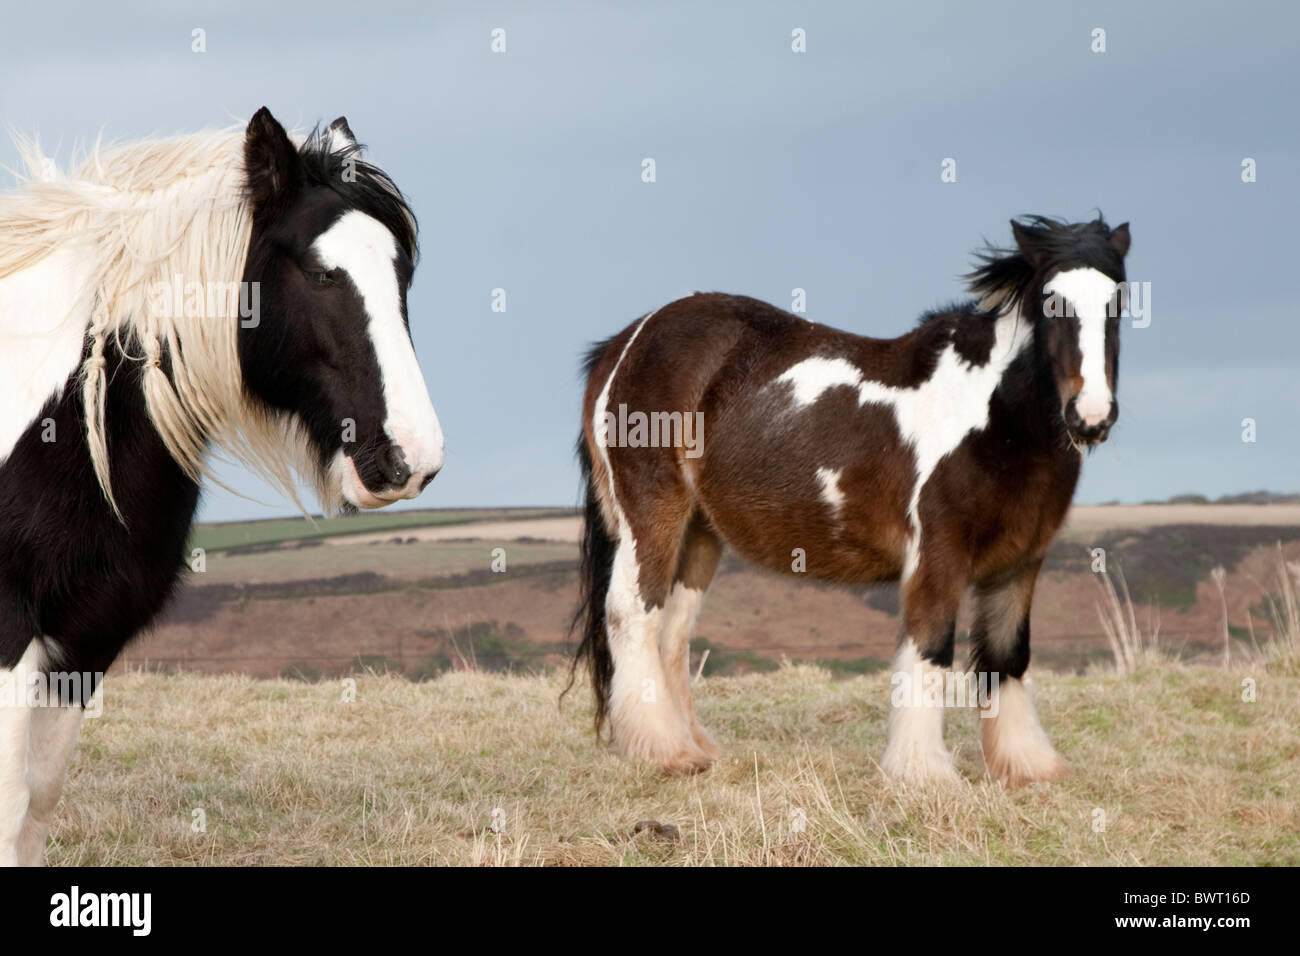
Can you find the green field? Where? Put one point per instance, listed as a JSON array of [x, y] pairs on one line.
[[220, 536]]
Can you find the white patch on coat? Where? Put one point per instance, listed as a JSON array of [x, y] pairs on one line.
[[916, 752], [1089, 293], [829, 478], [43, 314], [932, 418], [813, 376], [363, 247]]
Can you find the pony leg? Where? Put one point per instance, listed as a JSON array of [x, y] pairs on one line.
[[916, 752], [15, 734], [1016, 750], [54, 732], [696, 563], [645, 720]]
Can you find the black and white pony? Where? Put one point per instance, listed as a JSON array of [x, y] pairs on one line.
[[238, 290], [944, 459]]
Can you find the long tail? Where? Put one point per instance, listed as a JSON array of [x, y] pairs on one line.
[[595, 564]]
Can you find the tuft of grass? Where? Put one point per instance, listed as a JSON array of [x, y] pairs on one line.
[[1169, 766], [1283, 648], [1131, 646]]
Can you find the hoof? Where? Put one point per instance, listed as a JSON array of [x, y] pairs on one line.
[[671, 755], [1029, 768], [686, 761], [1016, 750], [703, 740], [919, 765]]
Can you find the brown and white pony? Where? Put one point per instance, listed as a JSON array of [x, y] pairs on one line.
[[944, 459]]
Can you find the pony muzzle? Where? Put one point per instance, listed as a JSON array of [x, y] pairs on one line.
[[385, 475], [1089, 418]]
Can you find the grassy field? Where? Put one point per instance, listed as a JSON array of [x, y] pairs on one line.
[[1169, 766]]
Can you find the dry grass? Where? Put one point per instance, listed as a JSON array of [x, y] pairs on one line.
[[1132, 646], [1283, 648], [1180, 769]]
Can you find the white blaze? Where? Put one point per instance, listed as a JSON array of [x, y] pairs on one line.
[[363, 247], [1089, 293]]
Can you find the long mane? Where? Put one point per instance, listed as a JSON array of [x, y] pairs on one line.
[[150, 215]]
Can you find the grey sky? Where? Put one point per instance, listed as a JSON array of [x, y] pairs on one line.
[[775, 170]]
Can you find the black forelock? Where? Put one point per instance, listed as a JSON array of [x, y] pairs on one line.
[[362, 185], [1057, 244]]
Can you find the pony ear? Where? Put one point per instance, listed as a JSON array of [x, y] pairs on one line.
[[1025, 243], [340, 135], [272, 164], [1120, 239]]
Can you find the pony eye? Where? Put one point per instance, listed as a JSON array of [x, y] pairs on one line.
[[321, 278]]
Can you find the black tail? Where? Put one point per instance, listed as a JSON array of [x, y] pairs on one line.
[[595, 564]]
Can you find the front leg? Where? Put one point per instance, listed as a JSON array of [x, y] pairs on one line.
[[1016, 749], [54, 732], [916, 752], [15, 734]]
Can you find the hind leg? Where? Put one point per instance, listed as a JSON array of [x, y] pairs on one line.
[[1016, 750], [916, 751], [700, 552], [645, 719]]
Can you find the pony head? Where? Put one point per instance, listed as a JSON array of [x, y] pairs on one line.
[[1069, 280], [327, 348]]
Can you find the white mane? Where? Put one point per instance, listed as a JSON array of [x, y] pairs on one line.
[[145, 215]]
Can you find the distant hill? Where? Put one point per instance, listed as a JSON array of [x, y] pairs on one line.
[[1245, 498]]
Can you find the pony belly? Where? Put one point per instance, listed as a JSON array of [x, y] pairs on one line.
[[816, 548]]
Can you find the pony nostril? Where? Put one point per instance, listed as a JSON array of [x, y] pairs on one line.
[[427, 478], [392, 464]]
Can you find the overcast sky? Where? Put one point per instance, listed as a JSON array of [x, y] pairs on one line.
[[774, 169]]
